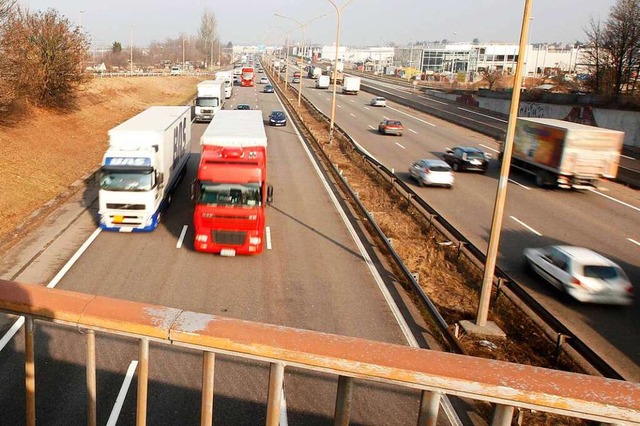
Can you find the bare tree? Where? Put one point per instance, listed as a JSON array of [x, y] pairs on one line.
[[491, 77], [7, 7], [207, 35], [45, 56]]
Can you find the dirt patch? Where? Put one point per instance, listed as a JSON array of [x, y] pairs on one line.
[[47, 151]]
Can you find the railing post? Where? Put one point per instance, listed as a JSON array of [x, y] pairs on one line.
[[143, 381], [344, 398], [502, 415], [208, 365], [429, 406], [91, 378], [30, 371], [276, 380]]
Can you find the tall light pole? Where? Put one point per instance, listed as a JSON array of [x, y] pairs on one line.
[[335, 66], [501, 193], [131, 48], [183, 56], [302, 27]]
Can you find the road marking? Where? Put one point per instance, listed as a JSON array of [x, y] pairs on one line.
[[489, 148], [328, 99], [11, 332], [352, 101], [519, 184], [411, 130], [400, 145], [182, 234], [117, 407], [268, 236], [367, 108], [283, 408], [614, 199], [483, 115], [385, 117], [626, 156], [630, 239], [74, 259], [371, 127], [526, 226], [339, 106], [415, 118], [352, 114], [432, 100]]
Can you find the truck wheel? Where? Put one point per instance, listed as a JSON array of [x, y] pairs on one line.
[[540, 179]]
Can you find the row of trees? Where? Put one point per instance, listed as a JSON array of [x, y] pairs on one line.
[[612, 51]]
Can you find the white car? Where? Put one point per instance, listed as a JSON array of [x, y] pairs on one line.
[[432, 172], [378, 101], [581, 273], [264, 80]]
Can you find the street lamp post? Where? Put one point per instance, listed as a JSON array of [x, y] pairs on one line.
[[335, 66], [131, 48], [302, 27]]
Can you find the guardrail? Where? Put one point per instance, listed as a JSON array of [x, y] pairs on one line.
[[434, 373], [559, 332]]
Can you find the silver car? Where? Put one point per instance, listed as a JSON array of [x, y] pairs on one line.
[[432, 172], [581, 273], [378, 101]]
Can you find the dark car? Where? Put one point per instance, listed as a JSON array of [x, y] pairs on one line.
[[277, 118], [243, 106], [268, 89], [467, 158], [391, 127]]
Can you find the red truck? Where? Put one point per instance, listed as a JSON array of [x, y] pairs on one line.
[[230, 192], [248, 77]]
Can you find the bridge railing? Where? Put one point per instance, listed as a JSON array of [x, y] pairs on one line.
[[503, 384]]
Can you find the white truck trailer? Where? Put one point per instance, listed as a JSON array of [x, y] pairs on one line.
[[209, 99], [566, 154], [227, 77], [350, 85], [146, 158], [322, 82]]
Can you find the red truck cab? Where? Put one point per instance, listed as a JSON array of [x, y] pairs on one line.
[[248, 76]]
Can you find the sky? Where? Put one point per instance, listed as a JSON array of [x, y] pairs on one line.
[[364, 22]]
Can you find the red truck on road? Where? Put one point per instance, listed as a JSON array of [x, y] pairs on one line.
[[231, 190], [248, 77]]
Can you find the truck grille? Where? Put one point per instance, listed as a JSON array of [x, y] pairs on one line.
[[118, 206], [229, 237]]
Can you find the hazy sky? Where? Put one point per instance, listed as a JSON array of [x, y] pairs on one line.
[[364, 22]]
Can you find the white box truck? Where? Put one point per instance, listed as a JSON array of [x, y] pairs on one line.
[[565, 154], [146, 158], [227, 77], [209, 99], [322, 82], [350, 85]]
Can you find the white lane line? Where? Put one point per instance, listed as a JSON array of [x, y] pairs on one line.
[[74, 259], [328, 99], [614, 199], [385, 117], [182, 234], [352, 114], [371, 127], [400, 145], [526, 226], [268, 237], [629, 239], [627, 157], [409, 115], [519, 184], [483, 115], [117, 407], [367, 108], [411, 130], [352, 101], [283, 409], [433, 100], [339, 106], [11, 332], [489, 148]]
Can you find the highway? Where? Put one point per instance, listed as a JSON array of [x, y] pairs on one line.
[[317, 273], [604, 220]]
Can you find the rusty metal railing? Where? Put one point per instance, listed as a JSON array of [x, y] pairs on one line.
[[435, 373]]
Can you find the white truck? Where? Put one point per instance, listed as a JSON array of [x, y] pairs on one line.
[[322, 82], [565, 154], [146, 158], [350, 85], [227, 77], [209, 99]]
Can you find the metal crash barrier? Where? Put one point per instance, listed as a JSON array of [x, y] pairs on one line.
[[506, 385]]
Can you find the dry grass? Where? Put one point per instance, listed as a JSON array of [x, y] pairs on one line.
[[44, 151]]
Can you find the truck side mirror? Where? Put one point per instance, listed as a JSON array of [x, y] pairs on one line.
[[269, 194]]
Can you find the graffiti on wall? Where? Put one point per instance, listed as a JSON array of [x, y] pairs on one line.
[[532, 109]]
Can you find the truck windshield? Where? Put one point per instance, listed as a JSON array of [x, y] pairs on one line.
[[247, 75], [207, 102], [230, 194], [126, 181]]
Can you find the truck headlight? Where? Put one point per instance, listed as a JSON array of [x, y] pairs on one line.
[[254, 240], [202, 238]]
